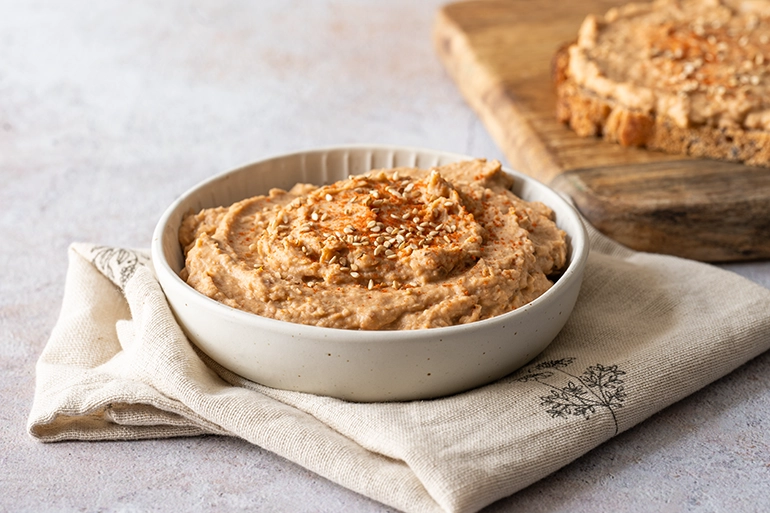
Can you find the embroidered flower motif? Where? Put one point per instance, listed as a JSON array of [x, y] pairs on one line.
[[598, 387], [117, 264]]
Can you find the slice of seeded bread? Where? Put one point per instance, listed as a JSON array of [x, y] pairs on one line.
[[702, 103]]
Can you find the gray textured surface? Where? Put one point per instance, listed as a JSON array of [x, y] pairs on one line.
[[109, 110]]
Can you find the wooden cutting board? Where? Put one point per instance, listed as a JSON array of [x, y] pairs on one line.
[[499, 53]]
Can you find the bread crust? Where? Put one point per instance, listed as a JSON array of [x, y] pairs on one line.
[[589, 114]]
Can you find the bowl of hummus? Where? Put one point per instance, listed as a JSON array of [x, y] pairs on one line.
[[371, 273]]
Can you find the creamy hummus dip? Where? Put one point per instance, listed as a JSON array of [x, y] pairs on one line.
[[389, 250], [698, 62]]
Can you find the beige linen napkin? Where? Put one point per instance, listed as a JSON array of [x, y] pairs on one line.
[[647, 331]]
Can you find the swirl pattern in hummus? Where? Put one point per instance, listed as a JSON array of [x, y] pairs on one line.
[[397, 249]]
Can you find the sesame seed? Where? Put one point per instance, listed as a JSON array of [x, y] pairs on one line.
[[324, 216], [371, 284], [314, 216], [354, 274], [329, 197], [376, 229], [392, 257], [332, 259], [446, 238]]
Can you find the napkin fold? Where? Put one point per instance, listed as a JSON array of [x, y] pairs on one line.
[[647, 331]]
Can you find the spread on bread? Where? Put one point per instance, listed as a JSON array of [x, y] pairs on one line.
[[680, 76]]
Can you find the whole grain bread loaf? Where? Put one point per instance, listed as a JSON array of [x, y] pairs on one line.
[[680, 76]]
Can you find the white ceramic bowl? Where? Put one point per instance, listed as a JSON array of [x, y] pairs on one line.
[[360, 365]]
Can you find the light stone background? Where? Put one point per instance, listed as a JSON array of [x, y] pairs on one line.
[[109, 110]]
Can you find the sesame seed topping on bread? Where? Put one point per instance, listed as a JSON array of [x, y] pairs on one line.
[[680, 76]]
